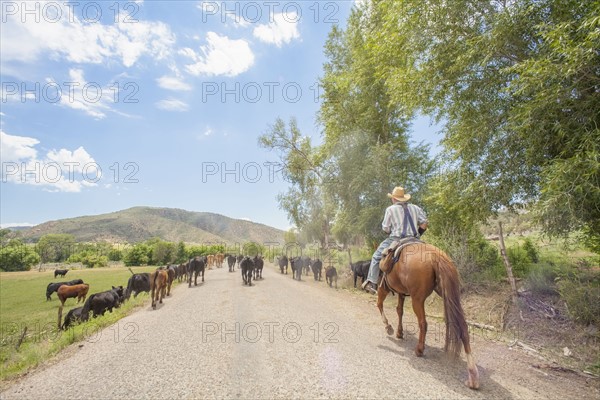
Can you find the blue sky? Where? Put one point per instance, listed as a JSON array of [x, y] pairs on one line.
[[106, 106]]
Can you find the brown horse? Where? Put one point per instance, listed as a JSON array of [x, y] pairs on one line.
[[420, 270], [158, 285]]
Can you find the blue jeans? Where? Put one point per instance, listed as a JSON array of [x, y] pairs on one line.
[[373, 276]]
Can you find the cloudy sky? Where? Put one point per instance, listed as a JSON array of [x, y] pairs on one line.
[[106, 105]]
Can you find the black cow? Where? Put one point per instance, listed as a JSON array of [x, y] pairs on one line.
[[182, 271], [99, 303], [331, 276], [317, 268], [73, 316], [172, 274], [297, 264], [247, 267], [137, 283], [196, 266], [53, 287], [61, 272], [283, 262], [258, 267], [231, 262], [239, 259], [306, 262], [360, 268]]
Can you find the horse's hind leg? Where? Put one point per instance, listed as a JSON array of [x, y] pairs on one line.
[[400, 311], [381, 295], [419, 309]]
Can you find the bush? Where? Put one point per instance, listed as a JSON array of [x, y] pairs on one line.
[[91, 259], [531, 250], [582, 299], [519, 260], [541, 280], [17, 256]]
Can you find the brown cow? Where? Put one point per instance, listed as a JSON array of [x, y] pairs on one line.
[[158, 285], [66, 292], [210, 261], [219, 260]]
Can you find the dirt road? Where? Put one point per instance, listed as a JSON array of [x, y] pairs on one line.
[[280, 339]]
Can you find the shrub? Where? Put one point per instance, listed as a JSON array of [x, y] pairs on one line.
[[582, 299], [520, 261], [531, 250], [541, 280]]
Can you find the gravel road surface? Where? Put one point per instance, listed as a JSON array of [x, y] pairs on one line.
[[280, 339]]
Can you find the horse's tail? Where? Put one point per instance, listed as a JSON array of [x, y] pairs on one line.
[[457, 331]]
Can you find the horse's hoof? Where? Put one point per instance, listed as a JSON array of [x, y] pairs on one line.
[[399, 335], [419, 353], [472, 385], [389, 330]]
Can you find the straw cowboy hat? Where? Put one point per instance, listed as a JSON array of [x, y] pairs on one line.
[[398, 194]]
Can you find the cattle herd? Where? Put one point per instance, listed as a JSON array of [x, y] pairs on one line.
[[158, 283]]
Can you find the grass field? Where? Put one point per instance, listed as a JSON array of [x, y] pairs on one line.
[[23, 305]]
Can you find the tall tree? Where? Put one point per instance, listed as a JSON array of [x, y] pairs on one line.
[[517, 86]]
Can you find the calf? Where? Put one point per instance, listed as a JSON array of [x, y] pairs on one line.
[[360, 268], [53, 287], [172, 273], [137, 283], [61, 272], [99, 303], [297, 265], [317, 268], [231, 262], [331, 276], [258, 267], [283, 262], [73, 316], [182, 272], [196, 266], [158, 285], [306, 262], [247, 267]]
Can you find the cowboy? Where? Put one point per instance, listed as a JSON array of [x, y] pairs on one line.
[[400, 220]]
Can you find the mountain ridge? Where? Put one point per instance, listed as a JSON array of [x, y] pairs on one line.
[[141, 223]]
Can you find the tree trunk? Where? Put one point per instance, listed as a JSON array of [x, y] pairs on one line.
[[509, 273], [349, 255]]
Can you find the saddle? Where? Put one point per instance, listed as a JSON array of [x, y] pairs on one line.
[[396, 247]]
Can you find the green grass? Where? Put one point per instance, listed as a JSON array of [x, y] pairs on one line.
[[23, 304]]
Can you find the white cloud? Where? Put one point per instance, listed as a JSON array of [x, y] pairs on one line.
[[15, 224], [59, 171], [221, 56], [69, 37], [282, 29], [172, 105], [189, 53], [94, 100], [17, 148], [173, 83]]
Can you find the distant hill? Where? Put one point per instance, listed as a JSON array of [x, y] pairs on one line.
[[141, 223]]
